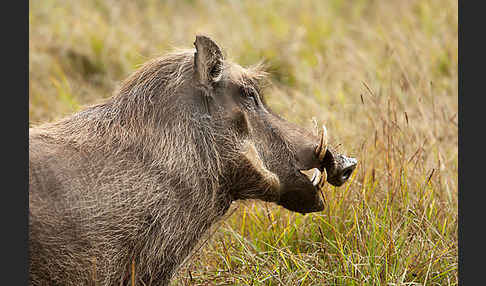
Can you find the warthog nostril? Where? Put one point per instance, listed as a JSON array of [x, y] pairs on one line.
[[347, 173], [348, 170], [340, 169]]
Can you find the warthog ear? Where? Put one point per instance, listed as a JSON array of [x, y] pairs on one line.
[[208, 60]]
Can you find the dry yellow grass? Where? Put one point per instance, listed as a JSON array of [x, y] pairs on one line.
[[382, 76]]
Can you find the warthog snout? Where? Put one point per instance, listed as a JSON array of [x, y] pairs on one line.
[[338, 167]]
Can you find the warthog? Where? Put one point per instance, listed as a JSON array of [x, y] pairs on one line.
[[137, 180]]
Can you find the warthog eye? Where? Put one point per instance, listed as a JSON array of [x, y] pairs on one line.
[[250, 93]]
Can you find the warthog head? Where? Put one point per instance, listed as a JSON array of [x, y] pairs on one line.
[[270, 159]]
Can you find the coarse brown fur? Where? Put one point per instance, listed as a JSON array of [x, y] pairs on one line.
[[140, 178]]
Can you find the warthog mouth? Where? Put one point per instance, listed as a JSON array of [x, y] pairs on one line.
[[304, 194], [341, 171], [318, 179]]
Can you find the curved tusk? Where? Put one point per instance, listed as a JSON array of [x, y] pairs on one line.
[[322, 148]]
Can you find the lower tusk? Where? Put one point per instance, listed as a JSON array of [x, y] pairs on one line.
[[315, 176]]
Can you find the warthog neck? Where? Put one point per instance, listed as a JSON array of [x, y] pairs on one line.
[[112, 211]]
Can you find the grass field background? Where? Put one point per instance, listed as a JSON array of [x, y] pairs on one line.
[[382, 76]]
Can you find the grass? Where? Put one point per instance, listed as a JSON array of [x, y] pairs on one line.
[[382, 76]]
